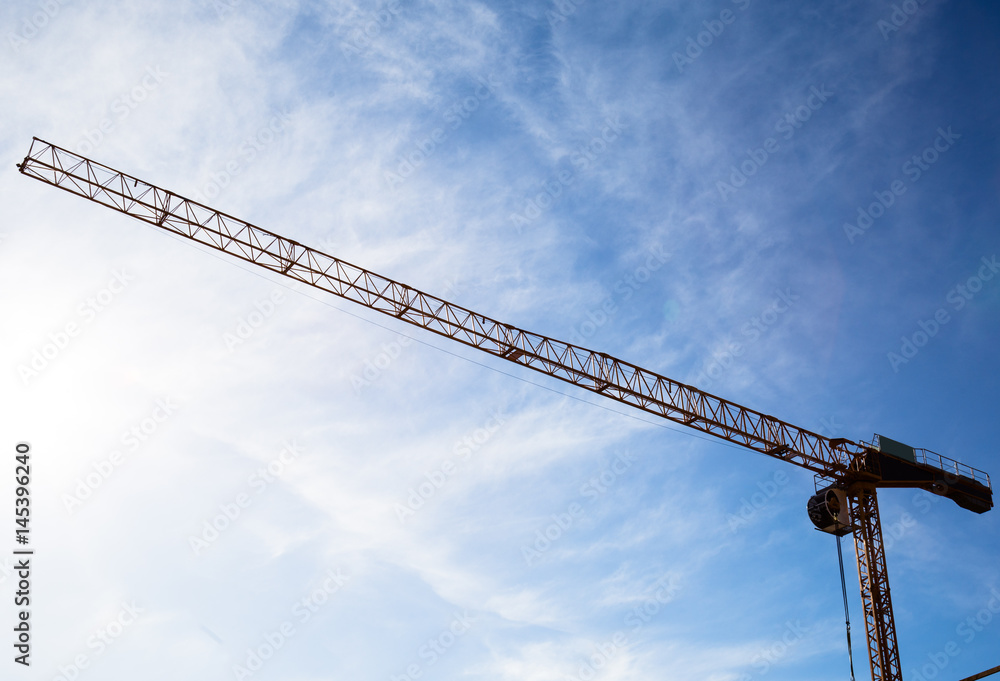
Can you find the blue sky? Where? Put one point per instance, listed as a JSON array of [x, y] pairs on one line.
[[791, 207]]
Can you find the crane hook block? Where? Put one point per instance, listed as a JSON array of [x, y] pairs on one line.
[[829, 512]]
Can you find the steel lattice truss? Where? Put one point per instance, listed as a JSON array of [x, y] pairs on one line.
[[880, 626], [838, 461], [595, 371]]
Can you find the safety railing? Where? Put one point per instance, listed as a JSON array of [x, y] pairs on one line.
[[949, 465]]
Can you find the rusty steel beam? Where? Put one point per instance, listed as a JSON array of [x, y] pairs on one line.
[[982, 675]]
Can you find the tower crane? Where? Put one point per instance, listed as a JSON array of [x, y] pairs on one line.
[[848, 474]]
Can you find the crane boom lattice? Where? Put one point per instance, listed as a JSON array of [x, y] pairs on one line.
[[853, 470], [594, 371]]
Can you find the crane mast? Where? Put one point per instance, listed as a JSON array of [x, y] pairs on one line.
[[849, 472]]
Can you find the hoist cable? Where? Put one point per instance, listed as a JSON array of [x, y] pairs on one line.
[[847, 614]]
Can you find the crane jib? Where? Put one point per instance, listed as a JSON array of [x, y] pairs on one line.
[[854, 470], [832, 458], [597, 372]]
